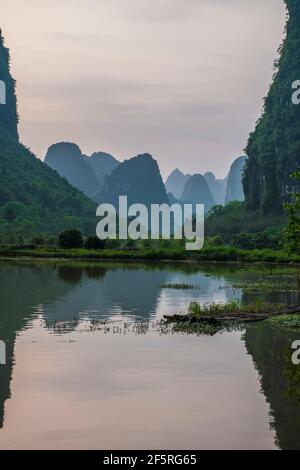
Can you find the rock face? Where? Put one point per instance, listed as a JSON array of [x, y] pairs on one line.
[[102, 165], [197, 191], [234, 191], [33, 197], [274, 147], [66, 158], [139, 179], [8, 111], [176, 182], [217, 187]]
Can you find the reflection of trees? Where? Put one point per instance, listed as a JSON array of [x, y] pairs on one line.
[[95, 272], [22, 287], [70, 274], [102, 289], [271, 351]]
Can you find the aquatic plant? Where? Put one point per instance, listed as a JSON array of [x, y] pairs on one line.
[[290, 322], [179, 286]]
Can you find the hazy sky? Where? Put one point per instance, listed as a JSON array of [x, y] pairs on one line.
[[181, 79]]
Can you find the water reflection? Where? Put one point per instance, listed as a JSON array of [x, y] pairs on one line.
[[271, 351], [78, 292]]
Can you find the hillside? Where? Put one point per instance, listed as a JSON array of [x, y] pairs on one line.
[[8, 112], [274, 146], [33, 197]]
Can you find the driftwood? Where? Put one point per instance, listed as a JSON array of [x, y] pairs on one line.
[[239, 316]]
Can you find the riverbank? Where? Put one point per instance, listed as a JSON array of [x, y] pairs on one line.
[[211, 254]]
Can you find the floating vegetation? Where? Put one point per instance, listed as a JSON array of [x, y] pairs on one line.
[[266, 286], [195, 328], [195, 309], [179, 286], [289, 322], [233, 311]]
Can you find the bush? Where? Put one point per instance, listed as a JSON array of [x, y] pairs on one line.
[[70, 239], [94, 243], [39, 240], [253, 241]]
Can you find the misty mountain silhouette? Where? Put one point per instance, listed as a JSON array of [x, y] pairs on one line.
[[234, 191], [139, 179], [197, 191]]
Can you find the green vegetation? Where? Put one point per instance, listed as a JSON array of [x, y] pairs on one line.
[[196, 310], [292, 231], [70, 239], [234, 307], [34, 200], [217, 254], [114, 249], [8, 113], [289, 322], [242, 228], [274, 147], [266, 286]]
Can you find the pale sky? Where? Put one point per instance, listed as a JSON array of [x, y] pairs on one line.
[[181, 79]]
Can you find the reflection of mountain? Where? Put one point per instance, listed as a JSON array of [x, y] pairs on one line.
[[271, 351], [132, 292], [94, 291], [21, 289]]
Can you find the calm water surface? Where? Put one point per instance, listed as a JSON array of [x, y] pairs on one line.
[[88, 366]]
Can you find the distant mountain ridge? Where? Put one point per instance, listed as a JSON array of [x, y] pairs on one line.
[[235, 191], [197, 191], [217, 187], [102, 164], [212, 190], [139, 179], [66, 158], [176, 182]]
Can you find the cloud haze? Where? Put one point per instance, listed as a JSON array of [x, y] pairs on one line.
[[181, 79]]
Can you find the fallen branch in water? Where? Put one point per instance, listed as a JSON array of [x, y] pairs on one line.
[[237, 316]]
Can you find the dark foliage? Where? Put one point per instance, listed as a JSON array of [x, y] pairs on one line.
[[70, 239], [274, 147]]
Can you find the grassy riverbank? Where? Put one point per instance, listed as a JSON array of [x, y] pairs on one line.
[[212, 254]]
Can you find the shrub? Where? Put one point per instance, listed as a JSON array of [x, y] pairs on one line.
[[94, 243], [70, 239]]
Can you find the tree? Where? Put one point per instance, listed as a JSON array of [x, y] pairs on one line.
[[70, 239], [9, 215], [94, 243], [292, 231]]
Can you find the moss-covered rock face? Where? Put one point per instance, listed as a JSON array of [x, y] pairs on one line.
[[8, 111], [274, 147]]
